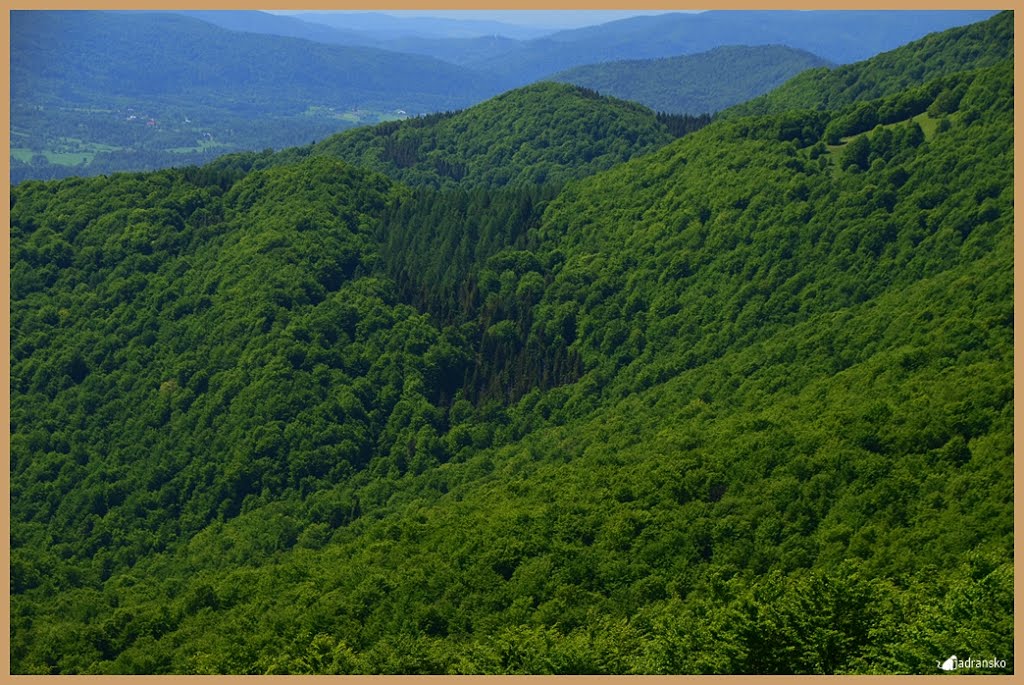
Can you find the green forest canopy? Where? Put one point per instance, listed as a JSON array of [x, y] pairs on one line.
[[743, 404]]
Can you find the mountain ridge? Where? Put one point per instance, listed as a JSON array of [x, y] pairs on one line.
[[837, 36], [682, 85], [78, 118], [552, 127]]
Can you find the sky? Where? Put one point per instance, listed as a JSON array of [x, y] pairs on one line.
[[547, 18]]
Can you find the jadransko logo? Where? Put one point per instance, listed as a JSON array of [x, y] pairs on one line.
[[952, 663]]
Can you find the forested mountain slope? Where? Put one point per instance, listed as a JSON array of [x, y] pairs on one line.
[[743, 404], [543, 133], [695, 84], [976, 45]]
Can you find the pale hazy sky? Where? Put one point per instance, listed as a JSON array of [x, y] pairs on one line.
[[545, 18]]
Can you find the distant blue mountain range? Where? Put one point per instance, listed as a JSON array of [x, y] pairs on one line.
[[510, 54]]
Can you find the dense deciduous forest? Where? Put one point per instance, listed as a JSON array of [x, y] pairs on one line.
[[737, 402], [544, 133]]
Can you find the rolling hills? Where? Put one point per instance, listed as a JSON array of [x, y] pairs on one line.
[[387, 26], [837, 36], [99, 92], [738, 402], [519, 53], [695, 84], [153, 55], [544, 133], [139, 90]]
